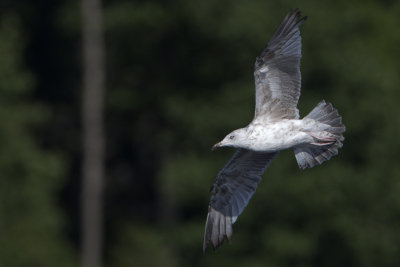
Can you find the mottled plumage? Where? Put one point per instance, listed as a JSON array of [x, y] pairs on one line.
[[276, 126]]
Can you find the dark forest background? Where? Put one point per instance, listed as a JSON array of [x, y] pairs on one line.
[[179, 76]]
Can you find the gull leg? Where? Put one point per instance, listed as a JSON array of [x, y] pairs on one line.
[[323, 140]]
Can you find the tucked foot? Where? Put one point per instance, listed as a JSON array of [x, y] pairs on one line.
[[323, 140]]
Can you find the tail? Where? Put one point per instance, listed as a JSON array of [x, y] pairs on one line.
[[326, 142]]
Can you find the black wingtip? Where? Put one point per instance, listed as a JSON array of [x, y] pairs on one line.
[[297, 14], [218, 228], [284, 32]]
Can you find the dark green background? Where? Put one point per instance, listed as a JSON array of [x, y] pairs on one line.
[[179, 78]]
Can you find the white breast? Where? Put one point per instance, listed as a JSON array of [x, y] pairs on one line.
[[278, 136]]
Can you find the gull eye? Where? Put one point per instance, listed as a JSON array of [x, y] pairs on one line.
[[232, 137]]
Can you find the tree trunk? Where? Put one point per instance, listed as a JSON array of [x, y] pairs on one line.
[[93, 133]]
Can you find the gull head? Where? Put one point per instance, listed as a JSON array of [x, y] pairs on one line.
[[237, 138]]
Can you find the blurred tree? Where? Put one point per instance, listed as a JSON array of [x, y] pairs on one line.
[[31, 224], [93, 133]]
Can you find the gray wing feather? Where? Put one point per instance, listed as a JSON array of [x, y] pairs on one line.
[[277, 72], [234, 186]]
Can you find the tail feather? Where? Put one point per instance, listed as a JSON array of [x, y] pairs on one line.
[[310, 155]]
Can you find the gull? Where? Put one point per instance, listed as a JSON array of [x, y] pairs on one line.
[[276, 126]]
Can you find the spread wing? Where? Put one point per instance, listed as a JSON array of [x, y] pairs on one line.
[[234, 186], [277, 72]]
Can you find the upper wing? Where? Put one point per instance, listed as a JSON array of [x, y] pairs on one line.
[[234, 186], [277, 72]]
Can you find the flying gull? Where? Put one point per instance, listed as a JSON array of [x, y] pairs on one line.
[[276, 126]]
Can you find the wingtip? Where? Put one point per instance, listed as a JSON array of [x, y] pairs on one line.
[[297, 14], [214, 246], [300, 20], [218, 228]]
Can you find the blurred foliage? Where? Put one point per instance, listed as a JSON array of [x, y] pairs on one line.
[[179, 79], [31, 223]]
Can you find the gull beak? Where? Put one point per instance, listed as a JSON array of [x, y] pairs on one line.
[[217, 145]]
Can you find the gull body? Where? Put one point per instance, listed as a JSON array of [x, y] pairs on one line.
[[273, 137], [276, 126]]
